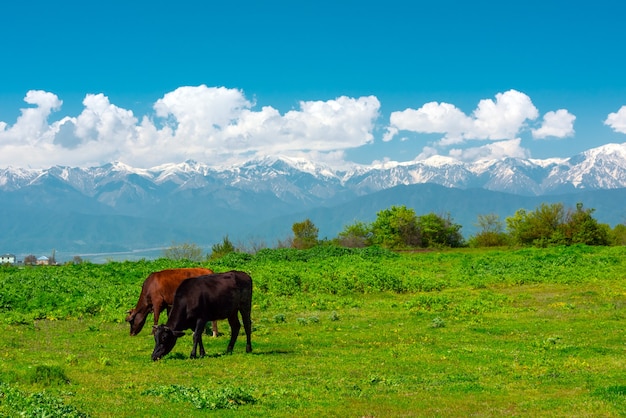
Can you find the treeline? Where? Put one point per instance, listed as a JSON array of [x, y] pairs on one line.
[[549, 224], [400, 228]]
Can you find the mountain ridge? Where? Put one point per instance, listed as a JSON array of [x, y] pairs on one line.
[[121, 208]]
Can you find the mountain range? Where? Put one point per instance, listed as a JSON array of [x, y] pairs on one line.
[[116, 208]]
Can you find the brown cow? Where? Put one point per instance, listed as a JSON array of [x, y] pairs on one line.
[[203, 299], [157, 293]]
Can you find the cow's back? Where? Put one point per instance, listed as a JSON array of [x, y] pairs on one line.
[[163, 284], [212, 297]]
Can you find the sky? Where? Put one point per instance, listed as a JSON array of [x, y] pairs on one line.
[[338, 82]]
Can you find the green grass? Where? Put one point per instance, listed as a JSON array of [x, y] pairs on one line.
[[486, 344]]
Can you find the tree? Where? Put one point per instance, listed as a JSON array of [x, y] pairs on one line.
[[304, 234], [581, 228], [540, 227], [619, 234], [552, 224], [491, 232], [439, 231], [184, 251], [395, 228], [30, 260], [219, 250], [356, 235]]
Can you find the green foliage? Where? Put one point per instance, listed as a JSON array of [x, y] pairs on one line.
[[185, 251], [438, 231], [365, 326], [553, 225], [539, 227], [107, 291], [280, 318], [356, 235], [219, 250], [304, 234], [399, 228], [437, 323], [618, 235], [396, 228], [489, 239], [48, 375], [15, 403], [491, 232], [226, 397], [581, 228]]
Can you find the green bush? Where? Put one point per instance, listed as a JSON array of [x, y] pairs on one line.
[[38, 404], [227, 397]]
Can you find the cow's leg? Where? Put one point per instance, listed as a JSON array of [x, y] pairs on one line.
[[247, 325], [157, 308], [197, 339], [235, 326], [157, 311], [214, 331]]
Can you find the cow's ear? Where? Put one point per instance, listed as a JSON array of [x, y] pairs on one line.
[[178, 334]]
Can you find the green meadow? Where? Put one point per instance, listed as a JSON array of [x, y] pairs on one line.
[[336, 333]]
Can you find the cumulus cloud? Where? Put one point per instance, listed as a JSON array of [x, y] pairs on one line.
[[491, 120], [221, 126], [500, 121], [504, 118], [215, 125], [559, 124], [432, 118], [491, 151], [31, 125], [617, 120]]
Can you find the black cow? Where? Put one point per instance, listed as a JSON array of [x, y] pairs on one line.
[[202, 299]]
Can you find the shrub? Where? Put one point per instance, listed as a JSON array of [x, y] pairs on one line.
[[219, 250], [35, 405], [304, 234], [227, 397]]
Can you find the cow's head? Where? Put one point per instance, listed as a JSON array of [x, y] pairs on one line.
[[164, 340], [136, 320]]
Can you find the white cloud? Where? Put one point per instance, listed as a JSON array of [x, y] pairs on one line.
[[215, 125], [617, 120], [500, 121], [559, 124], [504, 118], [31, 126], [491, 151], [491, 120], [200, 112], [218, 125], [433, 117]]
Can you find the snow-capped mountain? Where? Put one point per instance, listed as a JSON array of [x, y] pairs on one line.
[[289, 178], [118, 206]]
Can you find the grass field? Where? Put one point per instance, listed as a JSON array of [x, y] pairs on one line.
[[481, 345]]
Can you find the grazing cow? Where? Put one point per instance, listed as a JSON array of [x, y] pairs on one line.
[[203, 299], [157, 293]]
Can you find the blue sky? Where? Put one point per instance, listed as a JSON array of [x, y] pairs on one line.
[[147, 83]]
